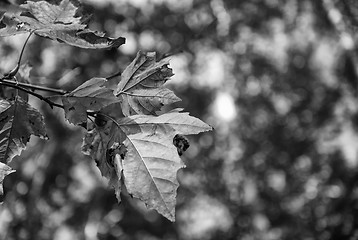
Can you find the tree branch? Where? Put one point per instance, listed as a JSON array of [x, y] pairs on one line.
[[49, 102], [33, 87]]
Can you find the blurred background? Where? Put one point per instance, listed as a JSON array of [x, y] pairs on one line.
[[277, 79]]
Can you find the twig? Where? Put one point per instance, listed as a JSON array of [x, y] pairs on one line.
[[49, 102], [34, 87], [39, 96]]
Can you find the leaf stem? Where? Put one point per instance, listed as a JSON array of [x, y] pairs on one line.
[[13, 72]]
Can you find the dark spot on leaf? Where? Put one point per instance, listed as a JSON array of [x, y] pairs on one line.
[[100, 120], [71, 109], [181, 143]]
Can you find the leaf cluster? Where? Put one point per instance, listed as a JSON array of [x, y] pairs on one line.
[[135, 142]]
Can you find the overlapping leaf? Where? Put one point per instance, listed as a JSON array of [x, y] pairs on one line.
[[4, 171], [150, 162], [141, 86], [142, 142], [103, 144], [60, 22], [93, 95], [181, 123], [18, 121]]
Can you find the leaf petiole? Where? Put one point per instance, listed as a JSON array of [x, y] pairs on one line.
[[13, 72]]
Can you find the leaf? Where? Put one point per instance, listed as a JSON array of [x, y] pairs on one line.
[[18, 121], [141, 84], [181, 123], [93, 95], [60, 22], [151, 162], [4, 171], [44, 16], [150, 167], [147, 101], [102, 144]]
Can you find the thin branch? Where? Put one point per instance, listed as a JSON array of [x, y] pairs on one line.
[[39, 96], [49, 102], [34, 87]]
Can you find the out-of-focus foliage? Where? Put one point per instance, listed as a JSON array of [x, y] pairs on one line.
[[277, 80]]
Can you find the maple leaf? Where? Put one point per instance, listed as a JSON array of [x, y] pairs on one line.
[[150, 167], [151, 162], [181, 122], [145, 154], [58, 22], [4, 171], [92, 95], [18, 121], [141, 84]]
